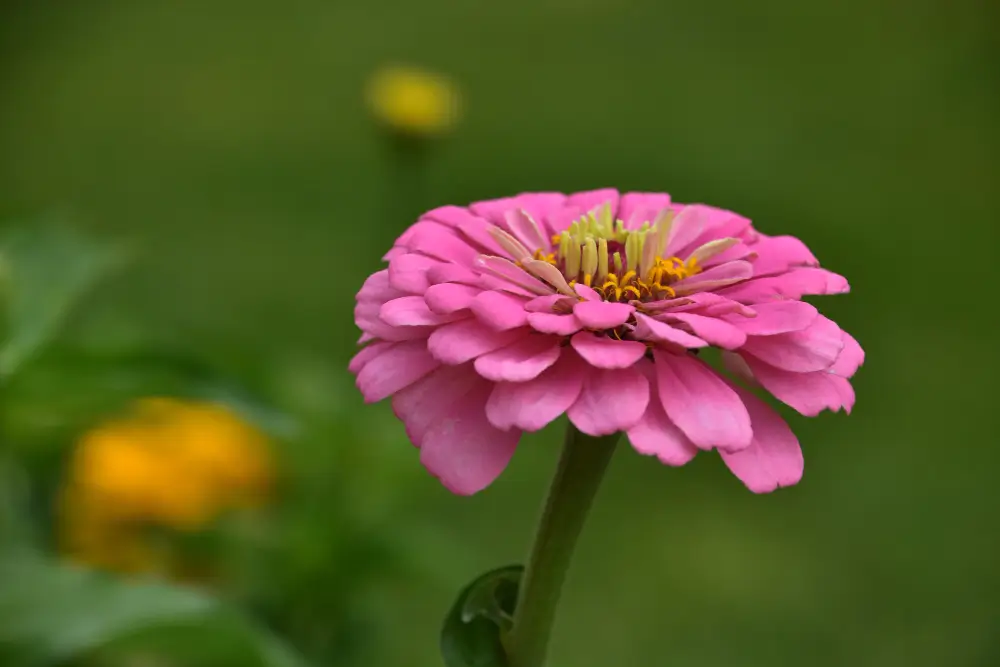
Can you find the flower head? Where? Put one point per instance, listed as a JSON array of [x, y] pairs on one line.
[[413, 102], [170, 465], [498, 318]]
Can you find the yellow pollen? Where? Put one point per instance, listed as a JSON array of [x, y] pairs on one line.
[[621, 264]]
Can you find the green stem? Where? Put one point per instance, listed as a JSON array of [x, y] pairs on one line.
[[581, 466]]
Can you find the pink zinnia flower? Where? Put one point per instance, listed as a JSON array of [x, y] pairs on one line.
[[498, 318]]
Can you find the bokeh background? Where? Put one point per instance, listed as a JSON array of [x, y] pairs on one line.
[[228, 146]]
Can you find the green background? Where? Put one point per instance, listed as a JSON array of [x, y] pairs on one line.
[[229, 140]]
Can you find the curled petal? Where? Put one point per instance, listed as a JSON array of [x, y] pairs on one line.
[[509, 271], [714, 278], [526, 230]]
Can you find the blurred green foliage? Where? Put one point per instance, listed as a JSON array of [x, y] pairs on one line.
[[229, 141]]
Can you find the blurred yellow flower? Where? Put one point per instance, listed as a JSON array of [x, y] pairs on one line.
[[413, 101], [170, 465]]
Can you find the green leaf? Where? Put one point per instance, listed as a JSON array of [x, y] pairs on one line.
[[51, 613], [44, 270], [473, 630]]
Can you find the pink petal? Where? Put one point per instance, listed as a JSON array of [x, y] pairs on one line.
[[792, 285], [685, 230], [710, 329], [452, 273], [464, 450], [408, 273], [714, 278], [394, 252], [520, 361], [776, 317], [534, 404], [636, 208], [366, 354], [551, 323], [602, 314], [807, 393], [845, 390], [436, 240], [410, 311], [512, 273], [605, 352], [453, 216], [540, 204], [447, 298], [431, 399], [526, 230], [774, 458], [740, 251], [647, 328], [395, 369], [499, 310], [470, 226], [776, 254], [592, 199], [812, 349], [720, 223], [377, 288], [537, 204], [704, 303], [700, 402], [587, 293], [611, 401], [366, 316], [850, 358], [550, 303], [655, 435], [736, 365], [459, 342]]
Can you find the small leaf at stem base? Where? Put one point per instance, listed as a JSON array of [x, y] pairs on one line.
[[473, 630]]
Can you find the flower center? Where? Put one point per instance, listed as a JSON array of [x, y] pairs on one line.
[[622, 264]]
